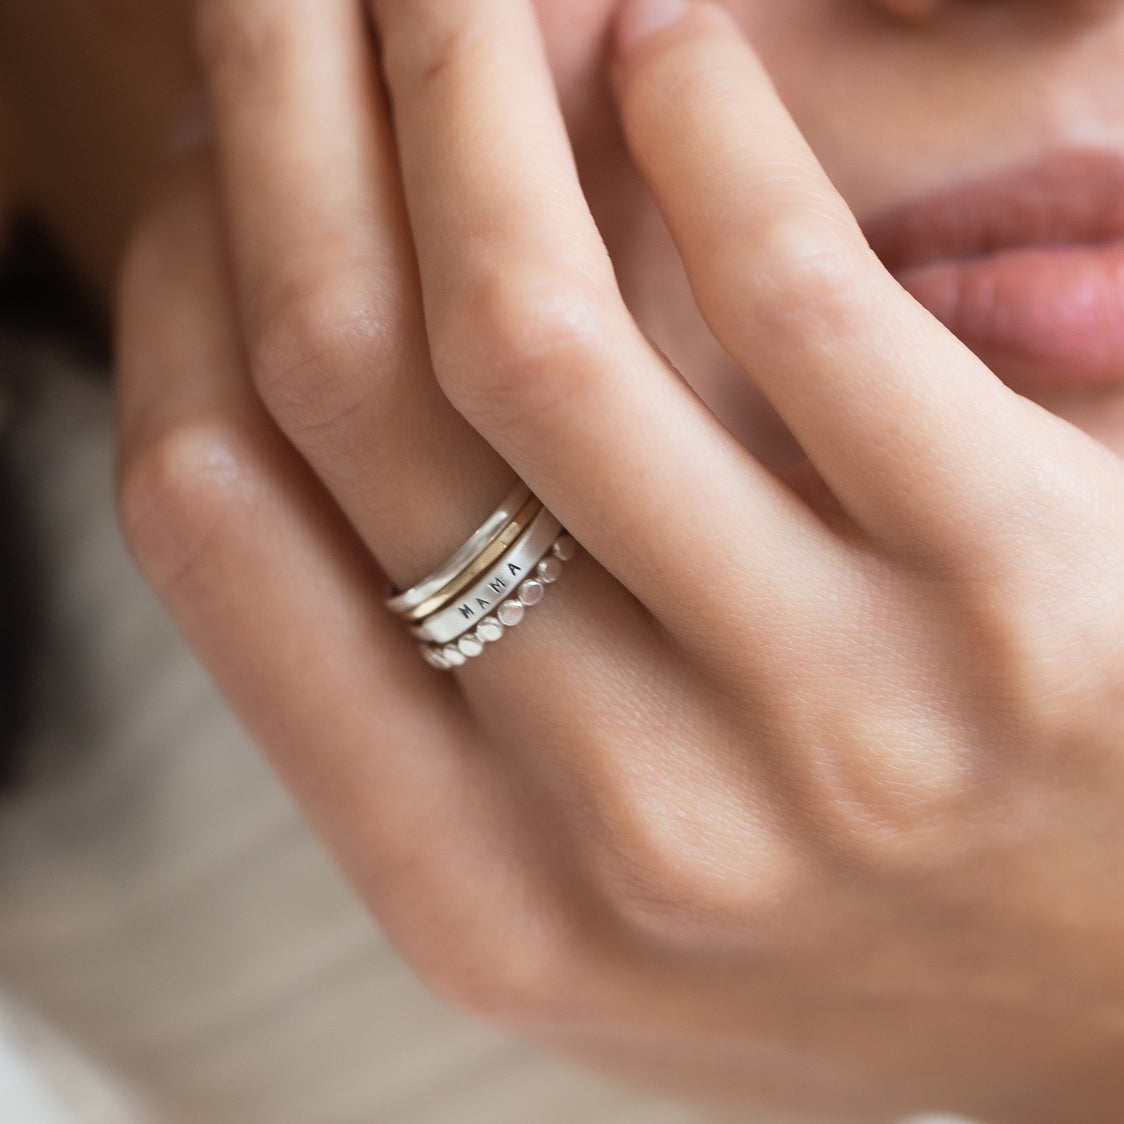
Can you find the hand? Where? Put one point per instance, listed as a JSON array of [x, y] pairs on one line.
[[799, 791]]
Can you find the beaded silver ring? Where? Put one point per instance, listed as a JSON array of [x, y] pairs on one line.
[[508, 615]]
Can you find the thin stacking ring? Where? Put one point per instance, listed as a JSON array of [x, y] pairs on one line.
[[495, 586], [488, 585], [485, 534], [471, 644], [485, 561]]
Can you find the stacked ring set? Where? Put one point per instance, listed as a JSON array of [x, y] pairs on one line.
[[489, 584]]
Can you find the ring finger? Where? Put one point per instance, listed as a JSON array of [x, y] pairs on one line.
[[325, 271]]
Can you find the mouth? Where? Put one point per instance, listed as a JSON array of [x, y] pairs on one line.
[[1025, 267]]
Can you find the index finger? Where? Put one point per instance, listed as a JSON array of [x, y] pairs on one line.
[[914, 435]]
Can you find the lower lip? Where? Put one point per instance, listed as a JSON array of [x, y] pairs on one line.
[[1044, 319]]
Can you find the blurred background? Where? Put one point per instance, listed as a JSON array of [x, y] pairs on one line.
[[175, 948], [174, 945]]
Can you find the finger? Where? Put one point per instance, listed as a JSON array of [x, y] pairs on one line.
[[911, 432], [532, 341], [279, 598], [327, 280]]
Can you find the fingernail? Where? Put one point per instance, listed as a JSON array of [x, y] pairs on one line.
[[641, 18], [190, 128]]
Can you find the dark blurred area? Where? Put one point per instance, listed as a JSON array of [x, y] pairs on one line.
[[39, 300]]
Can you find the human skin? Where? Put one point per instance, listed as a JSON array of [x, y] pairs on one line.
[[806, 791], [888, 94]]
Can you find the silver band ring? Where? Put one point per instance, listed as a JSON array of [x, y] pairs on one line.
[[446, 657], [488, 558], [494, 587], [481, 539]]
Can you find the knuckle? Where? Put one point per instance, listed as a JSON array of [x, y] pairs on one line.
[[886, 771], [896, 810], [1048, 651], [317, 351], [525, 972], [804, 288], [1052, 514], [523, 339], [1029, 599], [675, 862], [178, 489], [1039, 609]]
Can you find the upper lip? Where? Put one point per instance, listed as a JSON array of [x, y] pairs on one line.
[[1067, 198]]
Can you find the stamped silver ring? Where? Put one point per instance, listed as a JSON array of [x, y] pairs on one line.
[[486, 588], [495, 586], [508, 615], [481, 539]]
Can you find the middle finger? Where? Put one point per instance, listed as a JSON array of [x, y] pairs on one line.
[[532, 340]]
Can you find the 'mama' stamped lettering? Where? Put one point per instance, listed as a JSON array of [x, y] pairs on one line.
[[497, 586]]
